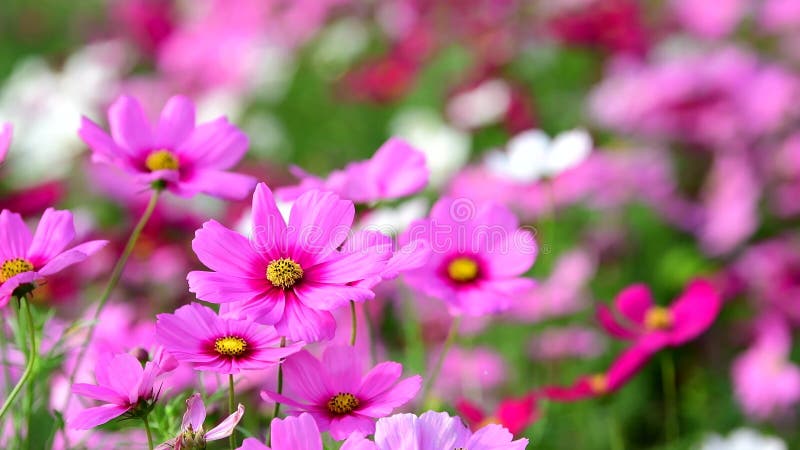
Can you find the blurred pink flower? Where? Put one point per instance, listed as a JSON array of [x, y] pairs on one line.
[[616, 26], [469, 372], [514, 414], [148, 23], [337, 393], [184, 157], [195, 334], [192, 434], [123, 385], [654, 327], [395, 170], [479, 255], [566, 342], [6, 131], [766, 382], [779, 15], [28, 258], [707, 19], [290, 275]]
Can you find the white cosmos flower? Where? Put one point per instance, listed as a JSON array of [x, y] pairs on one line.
[[532, 155], [483, 105], [743, 439]]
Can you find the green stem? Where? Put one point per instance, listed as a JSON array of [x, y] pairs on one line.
[[33, 352], [149, 432], [615, 440], [277, 409], [231, 409], [672, 426], [451, 337], [354, 321], [116, 274]]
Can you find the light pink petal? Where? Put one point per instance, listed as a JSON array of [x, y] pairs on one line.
[[296, 433], [318, 224], [327, 297], [221, 288], [303, 375], [175, 124], [228, 252], [269, 228], [379, 379], [214, 145], [129, 125], [357, 441], [54, 232], [92, 417], [401, 393], [634, 302], [226, 427], [15, 238], [103, 147], [342, 368], [348, 268], [495, 437], [125, 374], [220, 184], [301, 323], [195, 413], [101, 393], [342, 427], [512, 256], [72, 256], [253, 444]]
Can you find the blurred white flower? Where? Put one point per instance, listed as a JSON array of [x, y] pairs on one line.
[[483, 105], [743, 439], [394, 220], [532, 155], [446, 149], [45, 107]]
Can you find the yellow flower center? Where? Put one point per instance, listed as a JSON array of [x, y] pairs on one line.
[[284, 273], [14, 267], [463, 269], [658, 318], [598, 383], [162, 160], [343, 403], [230, 346]]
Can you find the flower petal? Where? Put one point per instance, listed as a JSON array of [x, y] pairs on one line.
[[175, 124], [16, 237], [129, 125], [226, 427]]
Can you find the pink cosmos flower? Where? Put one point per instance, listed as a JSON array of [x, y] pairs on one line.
[[195, 334], [192, 433], [767, 383], [396, 170], [478, 256], [6, 131], [123, 385], [710, 20], [338, 394], [290, 275], [436, 431], [184, 157], [514, 414], [297, 433], [655, 327], [26, 259], [625, 367]]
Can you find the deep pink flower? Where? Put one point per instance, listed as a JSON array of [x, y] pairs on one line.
[[478, 256], [298, 433], [514, 414], [290, 275], [123, 385], [766, 382], [396, 170], [655, 327], [6, 131], [196, 335], [625, 367], [26, 258], [338, 394], [437, 431], [192, 433], [187, 158]]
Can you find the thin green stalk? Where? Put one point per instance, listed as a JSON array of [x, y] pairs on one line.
[[148, 431], [231, 409], [33, 352], [277, 409], [671, 422], [354, 321], [451, 337], [116, 274]]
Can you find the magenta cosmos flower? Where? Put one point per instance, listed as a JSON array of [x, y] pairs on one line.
[[655, 327], [195, 334], [290, 275], [396, 170], [297, 433], [438, 431], [5, 140], [185, 158], [514, 414], [336, 392], [478, 256], [123, 385], [26, 259], [192, 433]]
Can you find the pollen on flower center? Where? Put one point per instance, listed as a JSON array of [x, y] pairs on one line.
[[343, 403], [463, 269], [284, 273], [230, 346], [598, 383], [14, 267], [162, 160], [658, 318]]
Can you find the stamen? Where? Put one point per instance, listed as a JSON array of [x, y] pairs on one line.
[[343, 403], [230, 346], [14, 267], [463, 269], [658, 318], [284, 273], [162, 160], [598, 383]]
